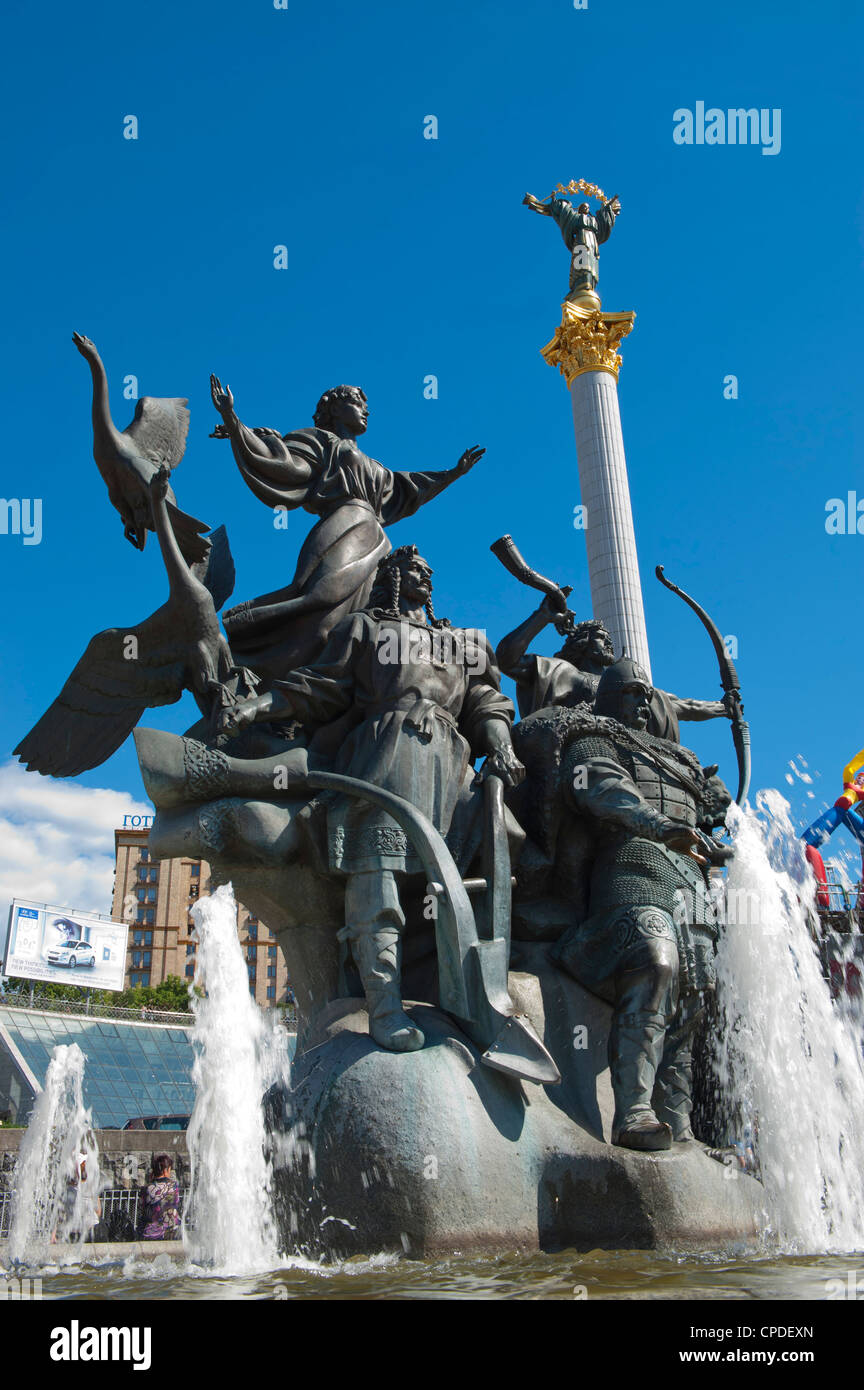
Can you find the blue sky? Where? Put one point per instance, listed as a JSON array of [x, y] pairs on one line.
[[409, 257]]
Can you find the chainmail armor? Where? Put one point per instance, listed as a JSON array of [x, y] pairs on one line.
[[643, 871]]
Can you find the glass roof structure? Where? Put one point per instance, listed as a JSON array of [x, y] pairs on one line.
[[131, 1068]]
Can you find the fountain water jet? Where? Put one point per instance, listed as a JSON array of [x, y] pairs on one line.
[[240, 1054], [54, 1198], [789, 1061]]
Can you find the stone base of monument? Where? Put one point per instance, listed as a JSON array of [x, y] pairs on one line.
[[432, 1151]]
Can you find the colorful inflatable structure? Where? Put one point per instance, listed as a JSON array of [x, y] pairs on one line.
[[842, 954], [847, 810]]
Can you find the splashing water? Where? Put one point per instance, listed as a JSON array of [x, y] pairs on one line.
[[57, 1175], [240, 1053], [789, 1061]]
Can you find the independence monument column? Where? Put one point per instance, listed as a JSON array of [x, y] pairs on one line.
[[585, 351]]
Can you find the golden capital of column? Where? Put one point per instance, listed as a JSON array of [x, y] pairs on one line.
[[587, 341]]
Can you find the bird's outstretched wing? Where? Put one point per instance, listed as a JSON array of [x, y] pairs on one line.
[[216, 571], [123, 672], [159, 429], [194, 545], [158, 436]]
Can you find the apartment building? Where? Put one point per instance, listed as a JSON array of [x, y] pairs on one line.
[[155, 897]]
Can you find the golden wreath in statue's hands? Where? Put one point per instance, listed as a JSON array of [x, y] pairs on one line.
[[580, 186]]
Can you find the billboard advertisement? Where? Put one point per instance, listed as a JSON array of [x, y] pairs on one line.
[[71, 948]]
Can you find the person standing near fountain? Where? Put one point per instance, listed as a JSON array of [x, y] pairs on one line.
[[161, 1215], [80, 1215]]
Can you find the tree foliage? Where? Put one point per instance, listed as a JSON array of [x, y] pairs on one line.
[[171, 995]]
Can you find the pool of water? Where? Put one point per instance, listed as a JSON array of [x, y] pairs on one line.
[[570, 1275]]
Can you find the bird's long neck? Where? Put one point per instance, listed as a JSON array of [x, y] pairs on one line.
[[180, 578], [103, 427]]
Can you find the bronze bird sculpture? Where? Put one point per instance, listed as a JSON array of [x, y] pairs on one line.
[[129, 458], [127, 670]]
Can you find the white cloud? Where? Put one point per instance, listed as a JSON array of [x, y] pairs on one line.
[[57, 840]]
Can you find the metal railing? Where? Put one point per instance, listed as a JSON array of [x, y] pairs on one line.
[[90, 1008], [121, 1202], [87, 1008], [121, 1210], [842, 897], [5, 1213]]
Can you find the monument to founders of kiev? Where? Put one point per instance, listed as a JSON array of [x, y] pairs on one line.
[[500, 932]]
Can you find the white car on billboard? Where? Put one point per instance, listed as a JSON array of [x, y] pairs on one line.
[[72, 953], [45, 942]]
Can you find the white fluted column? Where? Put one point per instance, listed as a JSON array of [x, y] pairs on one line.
[[584, 349], [613, 567]]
